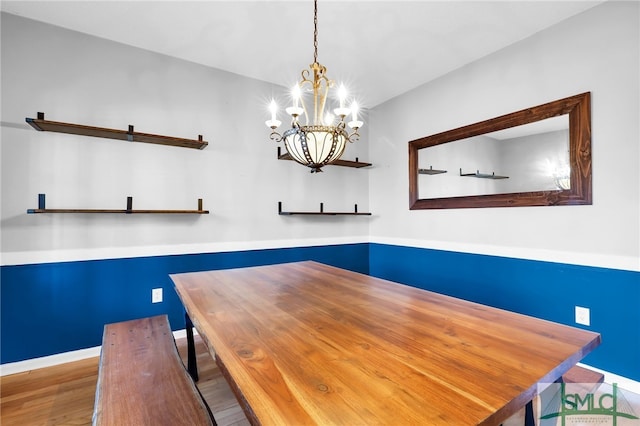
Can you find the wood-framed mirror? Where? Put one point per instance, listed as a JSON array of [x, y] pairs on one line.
[[539, 156]]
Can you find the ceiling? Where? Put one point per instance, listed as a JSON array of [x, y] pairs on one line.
[[379, 49]]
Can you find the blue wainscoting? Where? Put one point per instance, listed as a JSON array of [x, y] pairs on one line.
[[542, 289], [53, 308]]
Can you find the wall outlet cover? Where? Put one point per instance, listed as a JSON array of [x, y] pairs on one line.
[[583, 315], [156, 295]]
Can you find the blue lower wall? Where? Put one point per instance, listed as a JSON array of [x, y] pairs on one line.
[[542, 289], [59, 307]]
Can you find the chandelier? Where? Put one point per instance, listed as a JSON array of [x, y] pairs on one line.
[[323, 137]]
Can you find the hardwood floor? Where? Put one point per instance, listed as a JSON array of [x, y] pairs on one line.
[[64, 394]]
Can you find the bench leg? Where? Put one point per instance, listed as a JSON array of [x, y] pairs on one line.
[[192, 365]]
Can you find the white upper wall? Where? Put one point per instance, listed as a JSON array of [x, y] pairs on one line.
[[76, 78], [596, 51], [81, 79]]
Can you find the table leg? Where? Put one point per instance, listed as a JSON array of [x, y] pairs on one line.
[[192, 365], [528, 415]]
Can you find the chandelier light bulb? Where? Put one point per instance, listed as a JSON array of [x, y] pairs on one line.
[[342, 112], [274, 122], [295, 93], [295, 111], [354, 111], [273, 108], [342, 95], [355, 123]]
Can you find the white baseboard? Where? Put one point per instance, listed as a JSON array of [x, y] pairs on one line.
[[48, 361], [622, 382], [57, 359]]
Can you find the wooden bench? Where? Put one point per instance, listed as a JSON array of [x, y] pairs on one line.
[[142, 380], [584, 379]]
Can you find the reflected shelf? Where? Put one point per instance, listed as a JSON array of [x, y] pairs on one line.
[[431, 171], [479, 175]]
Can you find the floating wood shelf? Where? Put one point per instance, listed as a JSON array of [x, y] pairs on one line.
[[130, 135], [431, 171], [322, 212], [129, 210], [345, 163], [479, 175]]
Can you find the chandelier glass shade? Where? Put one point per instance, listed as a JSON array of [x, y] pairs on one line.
[[324, 136]]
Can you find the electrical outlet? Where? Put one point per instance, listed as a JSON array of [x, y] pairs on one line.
[[582, 315], [156, 295]]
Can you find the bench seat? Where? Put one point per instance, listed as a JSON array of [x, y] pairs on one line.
[[142, 380], [582, 380]]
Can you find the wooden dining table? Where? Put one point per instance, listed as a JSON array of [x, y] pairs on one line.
[[306, 343]]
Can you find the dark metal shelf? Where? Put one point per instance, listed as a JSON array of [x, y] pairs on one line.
[[322, 212], [130, 135], [345, 163], [129, 210]]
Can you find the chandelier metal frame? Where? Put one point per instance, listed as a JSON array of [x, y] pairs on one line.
[[320, 141]]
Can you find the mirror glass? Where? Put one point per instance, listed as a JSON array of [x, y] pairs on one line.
[[531, 157], [539, 156]]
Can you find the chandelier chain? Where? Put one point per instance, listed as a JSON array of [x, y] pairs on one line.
[[315, 31]]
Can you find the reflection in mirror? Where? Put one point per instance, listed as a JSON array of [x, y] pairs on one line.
[[539, 156], [531, 157]]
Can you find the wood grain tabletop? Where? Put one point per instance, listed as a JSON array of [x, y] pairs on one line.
[[307, 343]]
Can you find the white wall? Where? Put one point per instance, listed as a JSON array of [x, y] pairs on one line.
[[76, 78], [80, 79], [596, 51]]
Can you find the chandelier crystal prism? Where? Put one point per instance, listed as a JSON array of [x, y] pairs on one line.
[[323, 138]]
